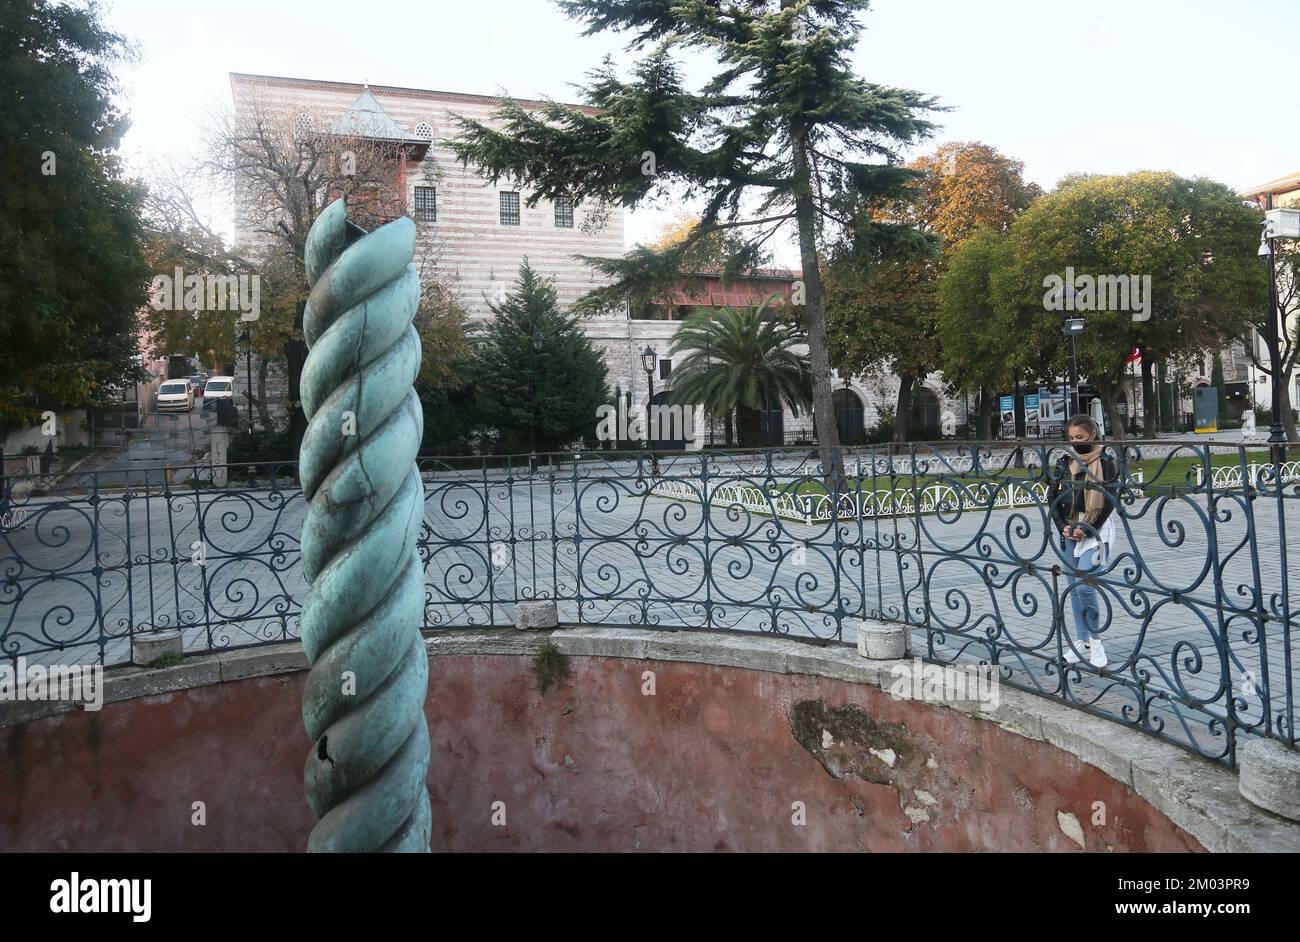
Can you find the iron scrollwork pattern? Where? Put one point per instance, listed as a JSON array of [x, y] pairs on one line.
[[954, 540]]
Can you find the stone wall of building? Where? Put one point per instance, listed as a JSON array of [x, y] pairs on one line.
[[466, 244], [469, 249]]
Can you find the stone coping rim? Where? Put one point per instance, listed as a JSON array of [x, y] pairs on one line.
[[1197, 794]]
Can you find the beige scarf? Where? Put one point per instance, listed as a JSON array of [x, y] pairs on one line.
[[1094, 498]]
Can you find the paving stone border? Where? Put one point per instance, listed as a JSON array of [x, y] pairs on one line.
[[1200, 796]]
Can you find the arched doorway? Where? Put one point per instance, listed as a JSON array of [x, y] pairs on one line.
[[669, 425], [849, 416], [925, 414], [771, 426]]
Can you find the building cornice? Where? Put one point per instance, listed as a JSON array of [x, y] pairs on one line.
[[356, 88]]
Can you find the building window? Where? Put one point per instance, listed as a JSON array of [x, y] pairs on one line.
[[564, 212], [509, 209], [665, 368], [426, 204], [1202, 367]]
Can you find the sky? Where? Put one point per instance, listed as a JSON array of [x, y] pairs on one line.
[[1103, 86]]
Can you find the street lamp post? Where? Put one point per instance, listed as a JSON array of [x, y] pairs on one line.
[[532, 395], [1133, 397], [648, 360], [247, 338], [1276, 433], [708, 365], [1018, 421], [1160, 394], [1072, 329]]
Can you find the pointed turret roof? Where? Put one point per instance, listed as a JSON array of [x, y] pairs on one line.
[[366, 117]]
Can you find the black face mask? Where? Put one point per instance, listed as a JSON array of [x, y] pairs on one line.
[[1085, 448]]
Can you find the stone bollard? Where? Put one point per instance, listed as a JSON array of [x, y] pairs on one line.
[[1270, 776], [220, 440], [882, 641], [147, 648], [536, 616]]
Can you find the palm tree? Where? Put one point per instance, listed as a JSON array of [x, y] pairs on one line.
[[741, 359]]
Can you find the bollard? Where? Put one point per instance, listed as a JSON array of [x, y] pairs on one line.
[[363, 705], [882, 641]]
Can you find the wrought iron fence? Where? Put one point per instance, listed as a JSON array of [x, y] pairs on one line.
[[1197, 606]]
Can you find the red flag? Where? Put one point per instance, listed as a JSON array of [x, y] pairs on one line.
[[1135, 355]]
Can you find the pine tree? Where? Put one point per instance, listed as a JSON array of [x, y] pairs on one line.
[[783, 126], [72, 275], [540, 381]]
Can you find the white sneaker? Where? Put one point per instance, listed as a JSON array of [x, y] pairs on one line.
[[1096, 654], [1070, 656]]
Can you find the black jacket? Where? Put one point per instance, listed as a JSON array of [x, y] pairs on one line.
[[1065, 494]]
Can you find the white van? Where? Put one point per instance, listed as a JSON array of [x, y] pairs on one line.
[[176, 395], [219, 387]]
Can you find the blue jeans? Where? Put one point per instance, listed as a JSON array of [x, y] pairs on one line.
[[1083, 597]]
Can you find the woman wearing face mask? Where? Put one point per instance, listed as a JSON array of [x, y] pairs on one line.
[[1083, 493]]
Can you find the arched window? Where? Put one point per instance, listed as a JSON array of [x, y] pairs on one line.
[[424, 131], [668, 424], [849, 416], [303, 126], [925, 414]]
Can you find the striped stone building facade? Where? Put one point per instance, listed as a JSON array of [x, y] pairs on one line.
[[477, 234]]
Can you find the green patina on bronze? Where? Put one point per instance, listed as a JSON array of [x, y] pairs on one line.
[[364, 701]]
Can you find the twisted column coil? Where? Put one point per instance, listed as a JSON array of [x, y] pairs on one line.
[[364, 701]]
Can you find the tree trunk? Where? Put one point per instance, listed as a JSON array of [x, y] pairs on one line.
[[1115, 425], [1148, 397], [748, 427], [295, 355], [726, 427], [986, 415], [1288, 420], [903, 411], [828, 433]]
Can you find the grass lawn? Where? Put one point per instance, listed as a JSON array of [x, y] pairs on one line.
[[1157, 474], [69, 455]]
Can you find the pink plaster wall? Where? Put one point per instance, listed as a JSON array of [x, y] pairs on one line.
[[713, 761]]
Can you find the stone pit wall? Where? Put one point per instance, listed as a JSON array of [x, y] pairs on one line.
[[652, 741]]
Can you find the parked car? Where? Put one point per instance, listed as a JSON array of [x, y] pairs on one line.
[[198, 381], [176, 395], [218, 387]]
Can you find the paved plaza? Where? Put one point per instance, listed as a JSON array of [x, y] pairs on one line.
[[85, 570]]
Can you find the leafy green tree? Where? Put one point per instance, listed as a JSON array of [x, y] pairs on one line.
[[982, 347], [888, 320], [72, 275], [965, 187], [1287, 265], [883, 307], [708, 254], [544, 398], [783, 126], [742, 359], [1194, 238]]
